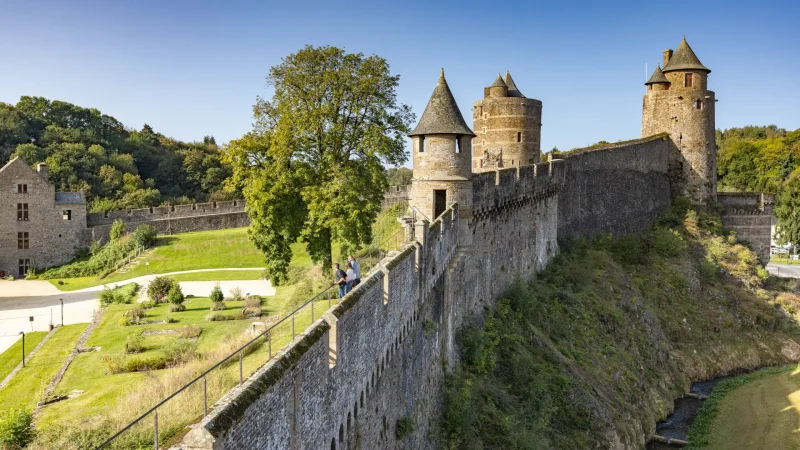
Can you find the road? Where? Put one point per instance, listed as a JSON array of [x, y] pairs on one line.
[[784, 270], [19, 300]]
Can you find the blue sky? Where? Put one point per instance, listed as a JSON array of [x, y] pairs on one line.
[[195, 68]]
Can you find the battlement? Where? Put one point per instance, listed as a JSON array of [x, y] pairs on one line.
[[746, 200], [166, 212], [505, 187]]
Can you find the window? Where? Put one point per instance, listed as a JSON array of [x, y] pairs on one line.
[[22, 211], [66, 214], [481, 111], [688, 80], [22, 240], [484, 130], [22, 189], [698, 104], [519, 136], [650, 87], [439, 202], [458, 144], [422, 144], [24, 266]]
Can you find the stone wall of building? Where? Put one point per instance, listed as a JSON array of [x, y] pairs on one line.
[[394, 335], [396, 194], [508, 132], [55, 224], [618, 188], [750, 215]]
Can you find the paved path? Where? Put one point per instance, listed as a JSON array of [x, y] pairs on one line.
[[784, 270], [35, 298]]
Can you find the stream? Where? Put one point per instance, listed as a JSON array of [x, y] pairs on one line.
[[677, 424]]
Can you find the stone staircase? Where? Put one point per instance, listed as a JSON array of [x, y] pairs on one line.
[[135, 261]]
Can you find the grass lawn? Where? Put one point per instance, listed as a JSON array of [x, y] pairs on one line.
[[27, 386], [777, 259], [13, 355], [755, 411]]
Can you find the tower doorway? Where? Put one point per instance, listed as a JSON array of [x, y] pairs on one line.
[[439, 202]]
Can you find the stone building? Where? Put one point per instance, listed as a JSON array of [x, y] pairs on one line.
[[678, 102], [508, 125], [39, 227]]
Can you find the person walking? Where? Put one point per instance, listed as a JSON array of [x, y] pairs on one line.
[[340, 278], [356, 269], [351, 277]]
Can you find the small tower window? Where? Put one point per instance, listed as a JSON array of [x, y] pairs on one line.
[[650, 87], [481, 111], [66, 214], [484, 130], [422, 144], [688, 80], [698, 104], [519, 136], [458, 144]]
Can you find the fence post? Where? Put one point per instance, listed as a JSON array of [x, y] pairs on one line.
[[269, 345], [155, 430], [205, 397], [240, 366], [293, 325], [312, 310]]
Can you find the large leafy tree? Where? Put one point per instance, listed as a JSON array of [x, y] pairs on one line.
[[312, 167], [787, 210]]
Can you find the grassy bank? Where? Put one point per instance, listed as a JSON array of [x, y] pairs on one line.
[[13, 355], [753, 411], [592, 351]]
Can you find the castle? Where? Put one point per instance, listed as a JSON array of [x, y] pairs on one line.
[[483, 214]]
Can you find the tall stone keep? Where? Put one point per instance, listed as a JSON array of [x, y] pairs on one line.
[[508, 125], [441, 149], [678, 102]]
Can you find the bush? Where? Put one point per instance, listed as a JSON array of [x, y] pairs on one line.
[[119, 364], [215, 317], [175, 295], [174, 307], [667, 243], [117, 230], [252, 301], [216, 294], [180, 351], [171, 319], [248, 312], [405, 426], [158, 289], [189, 331], [16, 428], [134, 344], [133, 316], [149, 304], [120, 295], [236, 294], [218, 306], [144, 236]]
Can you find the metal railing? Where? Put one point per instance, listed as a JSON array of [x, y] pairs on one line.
[[246, 357]]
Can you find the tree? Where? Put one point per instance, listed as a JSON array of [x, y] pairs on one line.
[[117, 230], [158, 289], [312, 167], [175, 298], [787, 210], [400, 176]]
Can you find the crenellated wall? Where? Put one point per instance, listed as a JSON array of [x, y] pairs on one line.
[[394, 335], [750, 215], [618, 188]]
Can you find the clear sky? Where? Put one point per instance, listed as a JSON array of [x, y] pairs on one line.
[[193, 68]]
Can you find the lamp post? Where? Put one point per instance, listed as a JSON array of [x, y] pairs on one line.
[[23, 347], [62, 311]]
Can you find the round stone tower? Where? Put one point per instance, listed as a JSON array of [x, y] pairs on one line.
[[441, 153], [678, 102], [508, 126]]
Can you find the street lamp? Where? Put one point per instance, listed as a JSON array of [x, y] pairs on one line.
[[23, 347], [62, 311]]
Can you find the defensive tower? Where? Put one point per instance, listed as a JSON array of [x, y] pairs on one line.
[[508, 126], [441, 151], [678, 102]]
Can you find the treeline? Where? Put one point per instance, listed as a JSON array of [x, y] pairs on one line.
[[116, 167], [759, 159]]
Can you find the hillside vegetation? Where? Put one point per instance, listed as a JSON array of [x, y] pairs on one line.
[[593, 350]]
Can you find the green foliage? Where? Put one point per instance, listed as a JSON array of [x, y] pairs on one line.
[[158, 289], [16, 428], [787, 210], [215, 317], [405, 427], [216, 295], [252, 301], [134, 344], [175, 294], [134, 316], [189, 332], [120, 294], [144, 236], [756, 159], [117, 168], [218, 306], [117, 230], [312, 168], [400, 176]]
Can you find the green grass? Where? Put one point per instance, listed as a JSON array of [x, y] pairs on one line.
[[13, 355], [756, 410], [777, 259], [220, 275], [28, 385]]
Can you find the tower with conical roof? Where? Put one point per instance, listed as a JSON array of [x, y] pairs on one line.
[[678, 102], [441, 152], [508, 127]]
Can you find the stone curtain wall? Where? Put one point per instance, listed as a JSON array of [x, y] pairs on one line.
[[396, 194], [395, 333], [750, 215], [618, 189], [172, 219]]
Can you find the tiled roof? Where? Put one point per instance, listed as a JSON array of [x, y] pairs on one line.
[[70, 198], [442, 115]]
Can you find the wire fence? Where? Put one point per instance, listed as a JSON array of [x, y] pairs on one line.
[[162, 424]]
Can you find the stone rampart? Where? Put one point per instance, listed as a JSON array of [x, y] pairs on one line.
[[750, 215], [396, 194], [505, 188], [617, 189], [166, 212]]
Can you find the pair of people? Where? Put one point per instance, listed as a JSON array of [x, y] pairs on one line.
[[346, 281]]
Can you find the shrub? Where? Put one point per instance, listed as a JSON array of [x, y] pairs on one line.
[[218, 306], [170, 319], [216, 317], [405, 426], [180, 351], [144, 236], [189, 331], [174, 307], [216, 294], [248, 312], [175, 295], [158, 289], [133, 316], [10, 278], [236, 294], [667, 243], [134, 344], [16, 428], [117, 230], [252, 301], [119, 295], [149, 304]]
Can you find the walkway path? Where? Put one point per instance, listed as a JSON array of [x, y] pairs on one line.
[[20, 300], [784, 270]]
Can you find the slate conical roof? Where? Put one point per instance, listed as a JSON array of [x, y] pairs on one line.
[[512, 88], [498, 82], [658, 76], [684, 58], [442, 115]]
